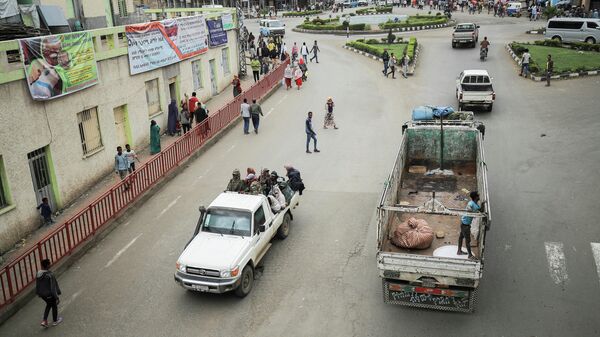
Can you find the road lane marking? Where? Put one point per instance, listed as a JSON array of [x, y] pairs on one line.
[[268, 113], [281, 100], [231, 148], [169, 206], [122, 251], [127, 223], [596, 252], [66, 303], [557, 264]]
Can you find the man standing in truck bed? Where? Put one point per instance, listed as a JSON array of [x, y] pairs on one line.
[[465, 225]]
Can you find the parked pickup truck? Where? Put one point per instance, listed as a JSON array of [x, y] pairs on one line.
[[270, 27], [465, 33], [231, 237], [474, 87], [435, 277]]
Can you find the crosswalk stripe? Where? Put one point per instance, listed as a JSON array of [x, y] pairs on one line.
[[596, 252], [556, 262]]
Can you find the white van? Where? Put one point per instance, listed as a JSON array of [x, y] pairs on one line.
[[574, 30]]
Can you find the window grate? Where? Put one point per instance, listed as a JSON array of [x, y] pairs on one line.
[[89, 130], [152, 97]]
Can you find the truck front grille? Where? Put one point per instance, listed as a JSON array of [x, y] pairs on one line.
[[203, 272]]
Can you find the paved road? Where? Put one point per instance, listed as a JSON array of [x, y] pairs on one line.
[[322, 280]]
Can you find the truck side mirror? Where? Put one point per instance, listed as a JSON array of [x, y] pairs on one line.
[[261, 228]]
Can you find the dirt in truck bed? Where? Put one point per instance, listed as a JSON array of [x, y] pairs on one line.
[[418, 188]]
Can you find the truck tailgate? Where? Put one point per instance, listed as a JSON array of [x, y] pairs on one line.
[[454, 271]]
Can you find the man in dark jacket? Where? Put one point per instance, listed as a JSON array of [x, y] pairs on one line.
[[47, 288], [386, 58], [295, 181]]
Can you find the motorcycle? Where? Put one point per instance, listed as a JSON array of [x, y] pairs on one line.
[[483, 53], [448, 14]]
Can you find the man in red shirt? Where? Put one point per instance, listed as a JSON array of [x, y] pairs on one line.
[[192, 104]]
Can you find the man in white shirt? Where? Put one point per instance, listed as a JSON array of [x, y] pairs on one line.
[[245, 111], [131, 157], [525, 63], [304, 52]]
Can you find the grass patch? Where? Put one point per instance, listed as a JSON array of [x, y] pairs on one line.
[[565, 59], [374, 48], [415, 21]]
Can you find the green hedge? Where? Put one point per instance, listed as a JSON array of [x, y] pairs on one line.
[[292, 14], [375, 10], [310, 26], [572, 45], [319, 21], [415, 21]]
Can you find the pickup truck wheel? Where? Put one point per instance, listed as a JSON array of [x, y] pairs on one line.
[[246, 282], [489, 108], [453, 45], [284, 229]]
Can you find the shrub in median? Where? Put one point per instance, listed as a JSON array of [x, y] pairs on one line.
[[374, 47], [292, 14], [415, 21], [310, 26], [375, 10]]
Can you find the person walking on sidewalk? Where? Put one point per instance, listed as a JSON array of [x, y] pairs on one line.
[[294, 52], [392, 66], [298, 77], [255, 113], [193, 104], [287, 76], [405, 60], [329, 121], [131, 157], [310, 133], [525, 63], [185, 117], [46, 287], [154, 137], [121, 165], [255, 65], [237, 86], [45, 212], [173, 118], [549, 69], [315, 51], [245, 112], [386, 58], [304, 51]]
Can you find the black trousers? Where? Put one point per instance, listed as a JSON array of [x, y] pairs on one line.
[[256, 75], [465, 233], [51, 304], [186, 127]]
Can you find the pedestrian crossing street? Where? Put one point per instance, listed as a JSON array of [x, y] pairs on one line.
[[557, 262]]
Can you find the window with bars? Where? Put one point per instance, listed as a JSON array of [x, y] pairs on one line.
[[153, 97], [89, 130], [4, 195], [197, 75], [122, 5], [225, 61]]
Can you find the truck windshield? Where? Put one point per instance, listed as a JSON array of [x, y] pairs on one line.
[[225, 221], [275, 24]]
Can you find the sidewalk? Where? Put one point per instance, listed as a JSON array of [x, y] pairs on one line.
[[95, 191]]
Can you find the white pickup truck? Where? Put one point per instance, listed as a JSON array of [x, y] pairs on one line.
[[230, 239], [474, 87]]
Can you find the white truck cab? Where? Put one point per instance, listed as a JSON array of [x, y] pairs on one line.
[[231, 237], [474, 87], [269, 27]]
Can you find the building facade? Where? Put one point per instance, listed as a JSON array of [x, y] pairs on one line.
[[59, 148]]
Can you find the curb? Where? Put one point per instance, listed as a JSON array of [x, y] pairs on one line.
[[411, 68], [365, 32], [554, 77]]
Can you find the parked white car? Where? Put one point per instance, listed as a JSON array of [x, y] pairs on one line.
[[474, 87], [232, 236], [270, 27]]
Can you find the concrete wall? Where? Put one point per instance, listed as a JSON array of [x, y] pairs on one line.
[[28, 125]]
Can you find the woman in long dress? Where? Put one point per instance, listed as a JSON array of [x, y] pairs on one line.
[[172, 118], [154, 137], [329, 120]]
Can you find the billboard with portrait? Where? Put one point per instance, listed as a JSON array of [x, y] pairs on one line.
[[57, 65]]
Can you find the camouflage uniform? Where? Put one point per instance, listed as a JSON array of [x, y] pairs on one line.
[[235, 183], [255, 188]]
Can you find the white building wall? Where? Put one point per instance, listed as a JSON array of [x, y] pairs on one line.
[[27, 125]]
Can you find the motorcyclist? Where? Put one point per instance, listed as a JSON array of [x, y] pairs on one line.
[[484, 45]]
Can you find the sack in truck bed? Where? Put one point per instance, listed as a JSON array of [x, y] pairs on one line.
[[413, 234]]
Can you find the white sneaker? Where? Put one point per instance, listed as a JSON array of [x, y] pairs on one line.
[[58, 321]]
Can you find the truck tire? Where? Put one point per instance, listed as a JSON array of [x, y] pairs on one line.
[[489, 108], [246, 282], [284, 229], [453, 44]]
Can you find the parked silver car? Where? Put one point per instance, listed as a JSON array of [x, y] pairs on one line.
[[574, 30]]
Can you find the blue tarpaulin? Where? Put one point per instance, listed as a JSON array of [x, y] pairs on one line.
[[428, 112]]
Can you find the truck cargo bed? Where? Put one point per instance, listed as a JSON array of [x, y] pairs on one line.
[[449, 191]]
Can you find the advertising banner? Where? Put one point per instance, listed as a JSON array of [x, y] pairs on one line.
[[227, 21], [57, 65], [217, 36], [157, 44]]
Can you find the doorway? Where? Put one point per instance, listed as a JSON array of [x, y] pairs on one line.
[[173, 89], [40, 167], [122, 130], [213, 77]]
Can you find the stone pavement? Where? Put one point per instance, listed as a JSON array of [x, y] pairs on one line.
[[95, 191]]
